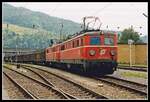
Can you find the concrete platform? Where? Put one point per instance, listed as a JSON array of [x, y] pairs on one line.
[[134, 79]]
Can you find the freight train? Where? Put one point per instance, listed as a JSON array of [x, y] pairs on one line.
[[90, 51]]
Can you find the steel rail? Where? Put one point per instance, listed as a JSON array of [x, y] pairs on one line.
[[143, 69], [97, 95], [132, 82], [114, 80], [50, 83], [25, 91], [42, 83]]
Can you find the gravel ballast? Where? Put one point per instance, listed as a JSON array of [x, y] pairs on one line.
[[110, 91], [38, 90]]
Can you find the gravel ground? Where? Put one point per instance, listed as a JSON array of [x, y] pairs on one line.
[[12, 91], [66, 86], [105, 89], [135, 79], [38, 90], [28, 73]]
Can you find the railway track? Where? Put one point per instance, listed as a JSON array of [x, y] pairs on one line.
[[129, 85], [69, 88], [23, 93], [43, 79], [143, 69], [36, 88]]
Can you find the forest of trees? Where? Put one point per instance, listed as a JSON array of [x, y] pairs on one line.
[[130, 34], [37, 39]]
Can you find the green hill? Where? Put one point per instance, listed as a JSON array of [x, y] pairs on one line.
[[21, 20], [24, 17], [22, 30], [25, 37]]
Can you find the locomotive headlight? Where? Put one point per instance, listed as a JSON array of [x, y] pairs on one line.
[[113, 52], [92, 52]]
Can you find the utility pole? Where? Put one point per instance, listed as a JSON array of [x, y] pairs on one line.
[[131, 26], [61, 31], [118, 33], [18, 65], [16, 47], [34, 27], [107, 27], [130, 56], [130, 41]]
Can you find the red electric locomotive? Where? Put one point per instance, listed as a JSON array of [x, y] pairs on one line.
[[92, 51]]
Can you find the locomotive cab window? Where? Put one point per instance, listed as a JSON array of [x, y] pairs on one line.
[[77, 43], [95, 41], [73, 44], [81, 41], [47, 51], [108, 41], [62, 47]]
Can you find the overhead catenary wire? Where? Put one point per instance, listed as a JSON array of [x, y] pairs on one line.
[[56, 7], [139, 10], [103, 8]]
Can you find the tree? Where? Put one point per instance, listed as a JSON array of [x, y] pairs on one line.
[[129, 34]]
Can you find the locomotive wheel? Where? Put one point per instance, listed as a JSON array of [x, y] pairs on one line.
[[50, 64], [83, 68], [68, 66]]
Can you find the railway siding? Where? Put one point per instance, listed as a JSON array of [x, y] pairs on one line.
[[136, 87], [36, 87], [88, 93], [10, 91], [69, 86], [110, 91], [144, 69]]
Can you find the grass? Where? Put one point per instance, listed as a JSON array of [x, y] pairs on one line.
[[134, 74], [7, 65]]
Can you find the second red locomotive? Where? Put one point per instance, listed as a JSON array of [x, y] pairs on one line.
[[89, 52]]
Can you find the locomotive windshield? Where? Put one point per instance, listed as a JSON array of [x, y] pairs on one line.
[[108, 41], [95, 41]]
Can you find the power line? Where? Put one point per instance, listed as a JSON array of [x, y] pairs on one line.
[[139, 10], [107, 5], [58, 5]]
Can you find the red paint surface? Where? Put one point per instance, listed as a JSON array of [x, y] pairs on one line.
[[82, 52]]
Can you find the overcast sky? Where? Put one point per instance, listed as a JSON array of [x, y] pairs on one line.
[[113, 14]]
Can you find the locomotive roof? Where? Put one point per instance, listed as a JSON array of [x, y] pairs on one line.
[[86, 33]]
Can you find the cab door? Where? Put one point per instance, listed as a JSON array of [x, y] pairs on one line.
[[58, 54]]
